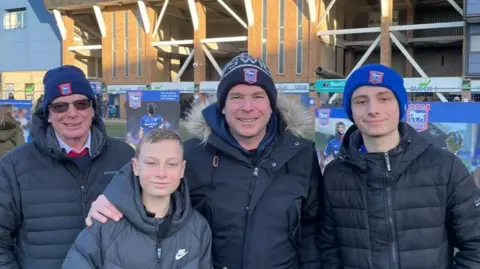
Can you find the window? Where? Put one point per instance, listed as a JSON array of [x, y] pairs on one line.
[[29, 90], [299, 45], [281, 43], [14, 18], [94, 67], [125, 54], [139, 45], [9, 89], [475, 43], [114, 45], [264, 31]]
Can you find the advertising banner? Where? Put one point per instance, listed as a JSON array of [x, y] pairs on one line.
[[330, 85], [475, 86], [182, 87], [433, 84], [22, 112], [208, 87], [147, 110], [121, 89], [297, 91], [451, 126]]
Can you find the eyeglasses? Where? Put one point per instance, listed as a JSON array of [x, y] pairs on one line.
[[62, 107]]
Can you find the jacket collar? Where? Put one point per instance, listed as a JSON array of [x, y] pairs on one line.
[[44, 136], [67, 148]]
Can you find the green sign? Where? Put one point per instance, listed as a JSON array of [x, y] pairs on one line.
[[330, 85]]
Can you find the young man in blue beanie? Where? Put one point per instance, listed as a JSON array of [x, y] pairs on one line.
[[251, 173], [47, 186], [393, 200]]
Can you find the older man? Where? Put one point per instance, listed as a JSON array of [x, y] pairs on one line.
[[47, 186]]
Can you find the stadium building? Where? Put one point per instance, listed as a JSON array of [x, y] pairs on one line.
[[310, 45]]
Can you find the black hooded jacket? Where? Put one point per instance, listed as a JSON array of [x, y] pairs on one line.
[[404, 209], [44, 198], [262, 210], [140, 241]]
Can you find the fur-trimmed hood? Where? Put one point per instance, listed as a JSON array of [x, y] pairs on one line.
[[295, 116]]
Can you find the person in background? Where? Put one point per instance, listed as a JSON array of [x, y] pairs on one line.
[[158, 216], [105, 108], [11, 134], [48, 186], [38, 105], [392, 199], [252, 173]]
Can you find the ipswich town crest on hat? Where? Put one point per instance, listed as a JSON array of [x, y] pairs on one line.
[[375, 77], [250, 75], [65, 88]]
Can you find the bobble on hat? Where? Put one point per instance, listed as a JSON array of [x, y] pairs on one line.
[[245, 69], [375, 75]]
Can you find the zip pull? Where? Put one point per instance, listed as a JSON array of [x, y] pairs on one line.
[[387, 161], [159, 253], [255, 171]]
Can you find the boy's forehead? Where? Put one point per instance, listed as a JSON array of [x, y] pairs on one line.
[[368, 91]]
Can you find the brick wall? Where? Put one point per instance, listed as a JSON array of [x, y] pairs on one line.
[[273, 33]]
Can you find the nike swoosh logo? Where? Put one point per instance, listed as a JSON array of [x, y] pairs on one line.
[[180, 255]]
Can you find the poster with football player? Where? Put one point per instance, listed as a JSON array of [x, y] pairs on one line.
[[149, 110]]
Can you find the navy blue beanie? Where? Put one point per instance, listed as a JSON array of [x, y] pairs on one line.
[[65, 80], [245, 69], [375, 75]]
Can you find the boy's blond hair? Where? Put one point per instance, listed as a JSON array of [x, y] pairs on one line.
[[157, 135]]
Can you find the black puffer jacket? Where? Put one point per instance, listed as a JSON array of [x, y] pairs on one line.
[[44, 199], [405, 209], [262, 215]]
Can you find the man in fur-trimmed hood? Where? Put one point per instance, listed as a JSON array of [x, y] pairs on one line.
[[252, 174]]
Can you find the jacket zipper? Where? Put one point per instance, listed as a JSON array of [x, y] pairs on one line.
[[247, 207], [73, 170], [159, 250], [391, 219]]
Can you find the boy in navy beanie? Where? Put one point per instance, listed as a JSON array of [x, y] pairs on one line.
[[65, 80], [375, 75], [245, 69]]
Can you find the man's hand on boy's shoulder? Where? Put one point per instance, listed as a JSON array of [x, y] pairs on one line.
[[102, 210]]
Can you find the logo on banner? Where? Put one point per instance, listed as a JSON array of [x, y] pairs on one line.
[[250, 75], [324, 116], [65, 88], [135, 99], [417, 116], [375, 77]]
